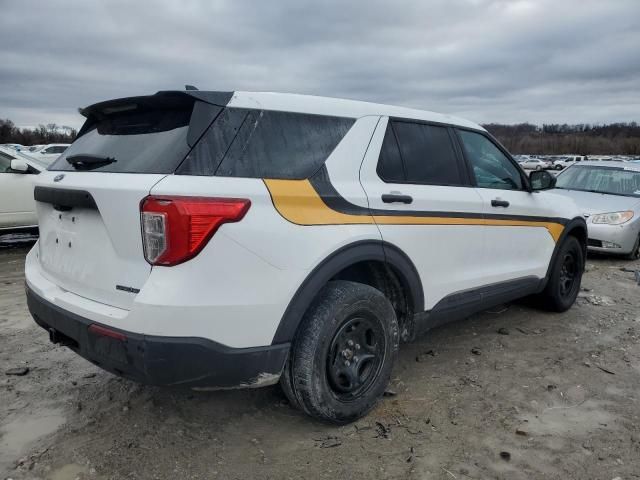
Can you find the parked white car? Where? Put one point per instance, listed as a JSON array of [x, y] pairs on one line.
[[535, 164], [49, 153], [237, 239], [17, 206], [567, 161]]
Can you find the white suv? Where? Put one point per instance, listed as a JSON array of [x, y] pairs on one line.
[[222, 240]]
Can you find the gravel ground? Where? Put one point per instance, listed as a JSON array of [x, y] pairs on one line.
[[510, 393]]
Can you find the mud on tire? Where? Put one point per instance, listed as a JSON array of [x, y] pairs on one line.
[[343, 353]]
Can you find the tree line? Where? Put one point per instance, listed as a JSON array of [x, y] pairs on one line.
[[43, 134], [557, 139]]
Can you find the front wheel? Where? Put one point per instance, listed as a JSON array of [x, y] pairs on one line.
[[341, 360], [565, 277], [635, 253]]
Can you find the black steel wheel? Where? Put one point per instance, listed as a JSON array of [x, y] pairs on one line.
[[565, 276], [355, 357], [568, 274], [341, 359]]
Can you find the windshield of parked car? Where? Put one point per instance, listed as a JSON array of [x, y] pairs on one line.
[[591, 178]]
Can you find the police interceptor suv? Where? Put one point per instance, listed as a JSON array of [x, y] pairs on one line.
[[237, 239]]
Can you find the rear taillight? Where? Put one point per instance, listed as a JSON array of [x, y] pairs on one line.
[[175, 229]]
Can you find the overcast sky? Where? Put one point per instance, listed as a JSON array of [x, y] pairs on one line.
[[487, 60]]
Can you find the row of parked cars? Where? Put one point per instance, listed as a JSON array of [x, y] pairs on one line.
[[560, 162], [240, 239]]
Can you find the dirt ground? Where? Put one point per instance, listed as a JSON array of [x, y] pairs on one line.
[[511, 393]]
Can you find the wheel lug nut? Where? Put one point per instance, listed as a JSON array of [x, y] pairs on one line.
[[350, 343], [357, 346], [355, 359], [347, 363]]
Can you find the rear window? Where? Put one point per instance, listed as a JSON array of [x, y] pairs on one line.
[[265, 144], [139, 140]]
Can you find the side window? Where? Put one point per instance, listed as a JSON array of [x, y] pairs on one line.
[[283, 145], [389, 166], [427, 154], [491, 167], [265, 144], [206, 156], [424, 155]]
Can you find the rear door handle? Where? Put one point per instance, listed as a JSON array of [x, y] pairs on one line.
[[396, 198], [496, 202]]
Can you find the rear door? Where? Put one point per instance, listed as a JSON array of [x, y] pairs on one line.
[[88, 204], [423, 203], [520, 235]]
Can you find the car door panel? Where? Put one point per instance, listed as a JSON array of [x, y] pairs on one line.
[[439, 227], [17, 207], [520, 232]]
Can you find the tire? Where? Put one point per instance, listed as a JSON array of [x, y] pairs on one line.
[[341, 359], [566, 274], [635, 252]]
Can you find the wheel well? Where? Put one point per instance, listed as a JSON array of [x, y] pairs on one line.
[[383, 277]]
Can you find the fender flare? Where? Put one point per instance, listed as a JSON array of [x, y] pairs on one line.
[[366, 250], [577, 223]]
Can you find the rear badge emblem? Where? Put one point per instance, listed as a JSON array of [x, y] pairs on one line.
[[57, 178]]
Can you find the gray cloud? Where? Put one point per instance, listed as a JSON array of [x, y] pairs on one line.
[[487, 60]]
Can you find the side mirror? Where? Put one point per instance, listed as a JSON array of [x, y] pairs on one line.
[[19, 166], [542, 180]]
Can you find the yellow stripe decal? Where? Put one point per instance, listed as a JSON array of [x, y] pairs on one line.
[[298, 202]]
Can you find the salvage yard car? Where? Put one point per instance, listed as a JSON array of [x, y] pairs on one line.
[[536, 164], [17, 207], [608, 193], [222, 240]]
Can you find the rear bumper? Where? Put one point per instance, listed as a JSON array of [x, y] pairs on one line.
[[190, 362]]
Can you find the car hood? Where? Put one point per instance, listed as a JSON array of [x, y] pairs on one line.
[[591, 203]]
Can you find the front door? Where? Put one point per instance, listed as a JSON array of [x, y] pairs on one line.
[[520, 233]]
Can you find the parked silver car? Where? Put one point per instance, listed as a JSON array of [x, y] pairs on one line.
[[609, 195], [536, 164]]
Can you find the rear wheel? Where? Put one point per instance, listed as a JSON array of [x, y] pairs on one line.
[[565, 278], [341, 359]]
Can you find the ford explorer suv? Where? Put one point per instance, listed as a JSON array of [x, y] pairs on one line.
[[239, 239]]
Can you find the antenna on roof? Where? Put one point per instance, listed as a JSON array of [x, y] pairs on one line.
[[190, 87]]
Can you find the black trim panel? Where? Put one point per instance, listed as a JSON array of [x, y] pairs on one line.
[[367, 250], [168, 361], [64, 197], [461, 305]]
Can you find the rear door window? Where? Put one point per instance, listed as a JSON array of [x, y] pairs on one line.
[[266, 144], [390, 167], [420, 154]]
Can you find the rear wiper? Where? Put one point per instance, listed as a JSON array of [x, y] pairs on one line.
[[87, 161]]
